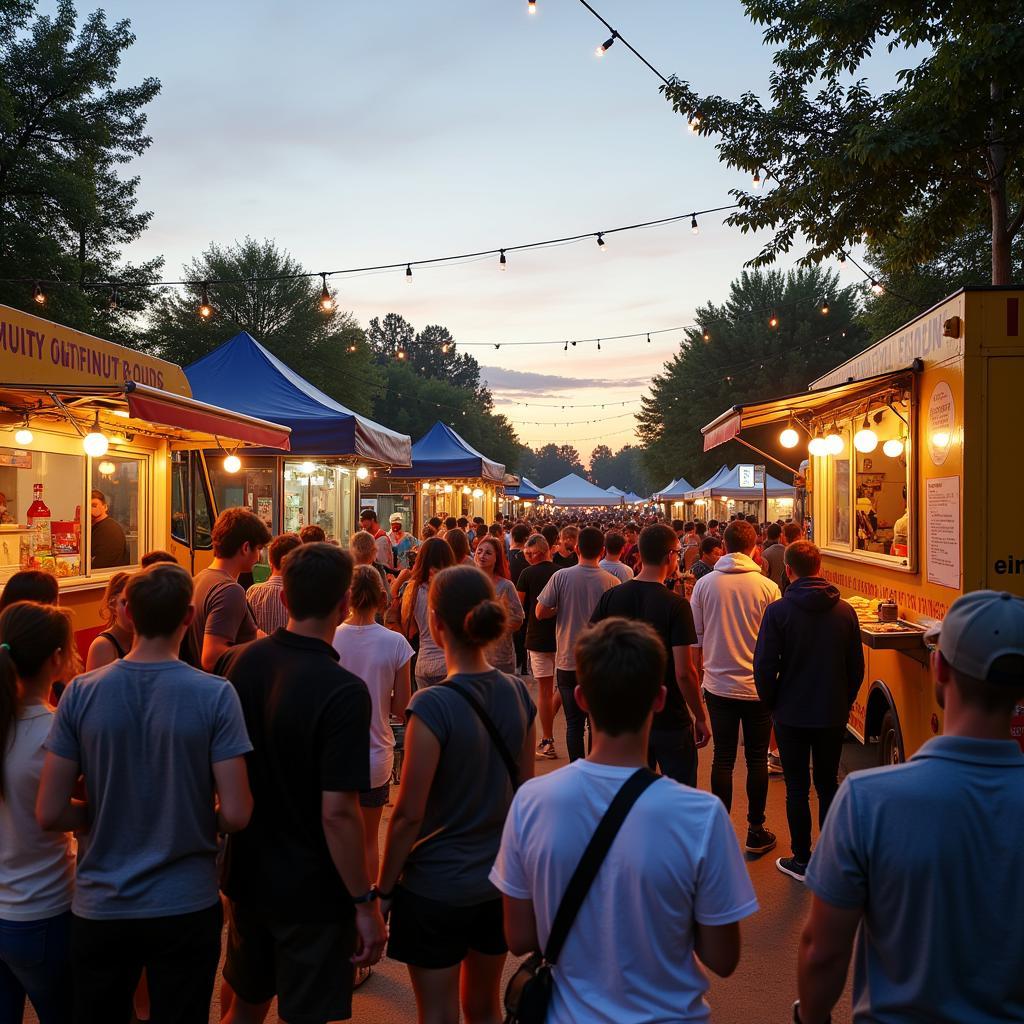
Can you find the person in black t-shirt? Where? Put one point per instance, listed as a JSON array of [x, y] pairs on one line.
[[302, 906], [519, 535], [565, 555], [108, 542], [540, 639], [675, 735]]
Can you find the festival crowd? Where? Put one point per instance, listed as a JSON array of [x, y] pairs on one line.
[[228, 750]]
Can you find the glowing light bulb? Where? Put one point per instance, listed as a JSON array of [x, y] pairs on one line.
[[502, 262], [478, 493], [401, 353], [865, 440], [362, 473], [306, 468], [448, 488], [834, 442], [756, 180], [773, 321], [326, 299], [893, 447], [817, 446], [941, 439], [106, 468], [467, 490], [232, 463], [694, 226], [824, 307], [425, 485], [95, 444], [605, 46], [707, 335], [694, 123], [205, 310], [531, 6], [789, 438], [877, 289], [38, 295], [23, 436]]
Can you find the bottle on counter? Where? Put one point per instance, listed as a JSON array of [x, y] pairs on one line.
[[39, 524]]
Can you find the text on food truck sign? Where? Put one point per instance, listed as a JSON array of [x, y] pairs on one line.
[[35, 351]]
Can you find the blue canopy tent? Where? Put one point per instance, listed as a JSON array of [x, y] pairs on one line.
[[243, 375], [526, 490], [573, 490], [441, 452]]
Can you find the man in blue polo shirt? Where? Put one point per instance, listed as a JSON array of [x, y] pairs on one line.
[[919, 862]]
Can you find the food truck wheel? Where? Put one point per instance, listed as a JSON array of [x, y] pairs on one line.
[[890, 745]]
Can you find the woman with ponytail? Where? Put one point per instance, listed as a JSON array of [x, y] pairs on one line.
[[37, 868], [468, 745], [490, 559], [434, 555]]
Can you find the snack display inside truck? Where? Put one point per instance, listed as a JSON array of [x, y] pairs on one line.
[[913, 488]]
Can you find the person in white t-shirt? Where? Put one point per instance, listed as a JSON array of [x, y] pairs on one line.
[[673, 888], [380, 657], [37, 868]]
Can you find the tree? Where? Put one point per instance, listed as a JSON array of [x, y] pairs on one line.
[[66, 125], [551, 463], [625, 470], [744, 359], [601, 466], [390, 336], [262, 294], [910, 167], [431, 351]]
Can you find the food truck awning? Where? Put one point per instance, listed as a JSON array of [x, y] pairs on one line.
[[758, 414]]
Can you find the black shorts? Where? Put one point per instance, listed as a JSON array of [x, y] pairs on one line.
[[306, 966], [376, 797], [433, 935]]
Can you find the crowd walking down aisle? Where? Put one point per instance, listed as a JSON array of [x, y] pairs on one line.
[[370, 786]]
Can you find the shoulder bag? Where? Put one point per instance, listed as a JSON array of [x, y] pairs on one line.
[[529, 990]]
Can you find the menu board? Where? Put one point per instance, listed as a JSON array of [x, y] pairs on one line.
[[942, 531]]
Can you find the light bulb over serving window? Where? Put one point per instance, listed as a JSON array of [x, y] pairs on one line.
[[893, 448], [232, 463], [362, 473]]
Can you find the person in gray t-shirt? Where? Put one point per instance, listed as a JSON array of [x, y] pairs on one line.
[[570, 597], [160, 744]]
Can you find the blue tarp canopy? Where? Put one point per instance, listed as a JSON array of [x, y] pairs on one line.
[[527, 490], [244, 376], [574, 490], [726, 484], [441, 452], [674, 491]]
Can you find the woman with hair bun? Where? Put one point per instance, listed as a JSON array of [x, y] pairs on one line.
[[490, 559], [457, 784], [37, 868]]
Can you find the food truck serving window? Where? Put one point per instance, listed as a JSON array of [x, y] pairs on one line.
[[864, 484], [68, 514]]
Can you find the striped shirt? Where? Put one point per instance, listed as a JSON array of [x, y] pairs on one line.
[[266, 605]]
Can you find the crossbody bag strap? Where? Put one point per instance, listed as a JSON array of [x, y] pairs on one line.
[[506, 755], [592, 859]]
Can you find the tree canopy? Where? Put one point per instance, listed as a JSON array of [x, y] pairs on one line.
[[431, 351], [744, 359], [910, 167], [624, 469], [551, 463], [328, 349], [66, 126]]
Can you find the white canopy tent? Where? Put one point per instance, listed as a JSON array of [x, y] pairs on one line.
[[574, 491]]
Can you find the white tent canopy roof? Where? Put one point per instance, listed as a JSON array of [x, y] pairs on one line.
[[573, 490]]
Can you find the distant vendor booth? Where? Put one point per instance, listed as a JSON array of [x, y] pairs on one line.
[[103, 460], [448, 477], [672, 498], [335, 453], [746, 490], [573, 491], [914, 489], [522, 496]]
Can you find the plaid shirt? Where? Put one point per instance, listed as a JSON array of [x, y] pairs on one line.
[[266, 606]]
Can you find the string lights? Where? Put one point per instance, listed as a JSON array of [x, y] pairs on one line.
[[326, 299], [601, 244], [38, 295], [606, 45], [205, 310], [694, 227]]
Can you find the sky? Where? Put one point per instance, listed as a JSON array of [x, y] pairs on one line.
[[357, 134]]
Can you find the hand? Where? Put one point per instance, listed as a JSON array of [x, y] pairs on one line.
[[371, 934], [701, 732], [385, 908]]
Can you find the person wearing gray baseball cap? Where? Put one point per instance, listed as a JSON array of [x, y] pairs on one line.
[[918, 862]]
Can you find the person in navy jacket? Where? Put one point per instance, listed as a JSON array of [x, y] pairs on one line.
[[808, 667]]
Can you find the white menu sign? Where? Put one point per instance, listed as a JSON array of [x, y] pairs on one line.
[[942, 531]]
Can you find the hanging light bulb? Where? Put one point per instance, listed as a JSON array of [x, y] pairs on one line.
[[467, 490], [694, 123], [842, 259], [707, 334], [825, 307], [106, 468], [773, 321], [648, 339], [425, 485], [448, 488], [232, 463], [694, 227], [112, 301], [362, 473], [444, 347], [877, 289], [502, 262], [789, 438], [566, 349], [401, 354], [351, 348], [601, 244], [817, 444], [893, 448], [865, 440], [478, 493], [531, 6], [756, 180], [606, 45], [408, 273], [95, 442], [326, 299], [205, 310], [38, 295], [834, 441], [598, 344]]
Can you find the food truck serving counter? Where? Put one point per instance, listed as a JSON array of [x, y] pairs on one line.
[[102, 458], [913, 486]]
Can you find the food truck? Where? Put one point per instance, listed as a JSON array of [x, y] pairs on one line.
[[101, 460], [913, 488]]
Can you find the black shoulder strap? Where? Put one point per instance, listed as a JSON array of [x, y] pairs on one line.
[[107, 635], [593, 857], [506, 755]]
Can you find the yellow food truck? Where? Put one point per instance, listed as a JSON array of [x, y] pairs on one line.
[[102, 459], [914, 488]]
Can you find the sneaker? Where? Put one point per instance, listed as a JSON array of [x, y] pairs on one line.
[[792, 867], [546, 748], [760, 840], [774, 763]]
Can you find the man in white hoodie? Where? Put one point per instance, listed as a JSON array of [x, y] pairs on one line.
[[728, 605]]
